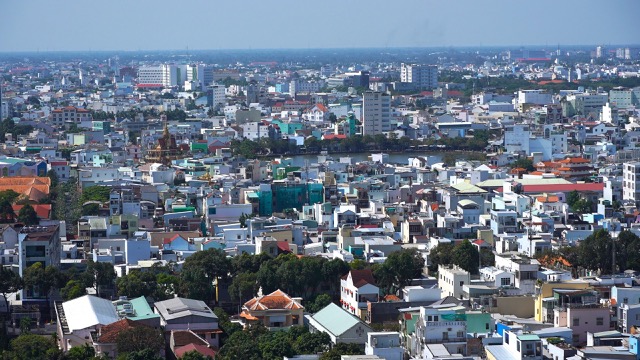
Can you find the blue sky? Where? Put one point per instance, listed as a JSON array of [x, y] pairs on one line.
[[60, 25]]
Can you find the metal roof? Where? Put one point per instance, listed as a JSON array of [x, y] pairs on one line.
[[180, 307], [335, 320], [88, 311]]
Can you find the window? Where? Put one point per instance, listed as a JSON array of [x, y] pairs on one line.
[[599, 321], [625, 300], [505, 282], [460, 334], [435, 318], [461, 283], [445, 335], [576, 322], [486, 326]]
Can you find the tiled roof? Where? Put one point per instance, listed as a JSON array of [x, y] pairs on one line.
[[361, 278], [276, 300], [109, 333], [186, 337], [42, 210], [204, 350]]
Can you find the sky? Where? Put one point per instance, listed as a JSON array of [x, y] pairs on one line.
[[90, 25]]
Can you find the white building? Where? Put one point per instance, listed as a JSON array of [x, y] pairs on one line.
[[421, 76], [621, 97], [356, 288], [516, 139], [631, 182], [161, 75], [535, 97], [376, 108], [451, 280], [386, 345], [216, 95]]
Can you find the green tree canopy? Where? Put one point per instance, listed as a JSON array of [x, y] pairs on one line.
[[31, 346], [10, 282], [201, 270], [28, 216], [398, 269], [140, 338], [466, 256]]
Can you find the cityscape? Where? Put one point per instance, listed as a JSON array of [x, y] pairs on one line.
[[408, 192]]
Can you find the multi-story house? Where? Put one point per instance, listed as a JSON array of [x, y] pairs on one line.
[[452, 279], [37, 244], [188, 314], [70, 114], [446, 326], [356, 288], [276, 311]]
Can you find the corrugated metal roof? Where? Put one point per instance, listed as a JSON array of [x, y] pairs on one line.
[[88, 311], [335, 320]]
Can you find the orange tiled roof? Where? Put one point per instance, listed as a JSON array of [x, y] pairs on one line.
[[276, 300], [42, 210], [109, 333], [548, 199], [574, 160]]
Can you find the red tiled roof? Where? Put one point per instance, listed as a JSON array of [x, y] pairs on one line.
[[563, 187], [361, 278], [204, 350], [42, 210], [170, 240], [334, 136], [109, 333], [283, 246]]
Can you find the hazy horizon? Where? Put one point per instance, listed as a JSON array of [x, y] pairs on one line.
[[204, 25]]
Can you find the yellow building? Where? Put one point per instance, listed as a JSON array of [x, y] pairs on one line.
[[546, 291]]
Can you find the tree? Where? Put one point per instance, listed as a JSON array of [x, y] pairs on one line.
[[146, 354], [243, 286], [275, 345], [9, 195], [201, 270], [466, 256], [53, 176], [99, 275], [523, 163], [319, 303], [241, 345], [10, 282], [30, 346], [73, 289], [595, 252], [309, 343], [137, 283], [140, 338], [342, 349], [194, 355], [28, 216], [85, 352], [7, 215], [399, 268], [42, 280], [440, 255], [572, 198]]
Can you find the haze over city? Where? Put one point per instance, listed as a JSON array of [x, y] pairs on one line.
[[72, 25]]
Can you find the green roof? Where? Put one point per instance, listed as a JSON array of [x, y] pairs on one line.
[[491, 183], [335, 320], [528, 337], [142, 308], [468, 188]]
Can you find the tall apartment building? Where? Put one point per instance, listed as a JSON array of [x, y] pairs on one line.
[[631, 181], [37, 244], [376, 109], [215, 95], [421, 76], [162, 75]]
